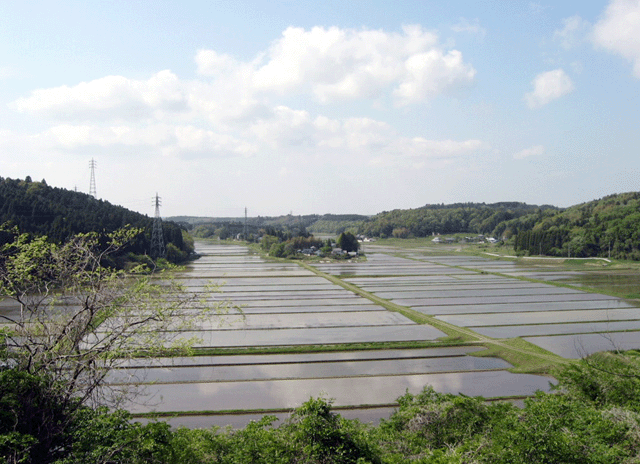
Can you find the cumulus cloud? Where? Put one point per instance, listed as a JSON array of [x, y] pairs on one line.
[[335, 64], [328, 64], [107, 98], [185, 141], [527, 152], [619, 31], [211, 63], [234, 107], [548, 86], [572, 33]]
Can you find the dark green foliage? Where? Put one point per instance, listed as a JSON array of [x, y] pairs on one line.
[[277, 250], [268, 241], [38, 426], [36, 208], [100, 436], [316, 435], [605, 379], [609, 227], [431, 425], [474, 218], [34, 419], [348, 242], [288, 248], [558, 429]]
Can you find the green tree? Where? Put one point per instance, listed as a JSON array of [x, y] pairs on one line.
[[348, 242], [76, 319]]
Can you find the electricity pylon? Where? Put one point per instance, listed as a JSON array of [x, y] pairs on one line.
[[92, 182], [157, 237]]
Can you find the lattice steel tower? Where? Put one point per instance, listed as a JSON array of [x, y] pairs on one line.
[[157, 237], [92, 183]]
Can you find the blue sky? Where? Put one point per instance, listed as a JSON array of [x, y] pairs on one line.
[[322, 107]]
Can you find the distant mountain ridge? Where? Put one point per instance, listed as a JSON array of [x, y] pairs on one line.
[[606, 227]]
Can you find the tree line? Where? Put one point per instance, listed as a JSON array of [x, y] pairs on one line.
[[607, 228], [473, 218]]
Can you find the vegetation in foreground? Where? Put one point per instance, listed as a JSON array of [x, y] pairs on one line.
[[592, 417]]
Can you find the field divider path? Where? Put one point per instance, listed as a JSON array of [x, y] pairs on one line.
[[524, 356]]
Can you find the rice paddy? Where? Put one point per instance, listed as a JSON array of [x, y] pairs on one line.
[[292, 340]]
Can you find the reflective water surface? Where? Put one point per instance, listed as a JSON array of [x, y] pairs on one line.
[[286, 305]]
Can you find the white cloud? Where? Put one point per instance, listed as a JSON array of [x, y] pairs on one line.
[[573, 33], [548, 86], [619, 31], [211, 63], [536, 150], [471, 27], [285, 172], [107, 98], [418, 152], [432, 73], [173, 140], [327, 64], [342, 141], [234, 108], [337, 64]]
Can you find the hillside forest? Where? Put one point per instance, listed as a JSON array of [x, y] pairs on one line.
[[40, 210]]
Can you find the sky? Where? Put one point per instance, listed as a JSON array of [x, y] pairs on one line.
[[308, 107]]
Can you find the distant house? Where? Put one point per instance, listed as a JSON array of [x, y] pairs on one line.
[[313, 251]]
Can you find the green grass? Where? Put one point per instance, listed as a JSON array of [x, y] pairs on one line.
[[525, 357], [329, 348]]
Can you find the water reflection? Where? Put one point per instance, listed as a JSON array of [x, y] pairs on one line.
[[344, 391], [326, 369]]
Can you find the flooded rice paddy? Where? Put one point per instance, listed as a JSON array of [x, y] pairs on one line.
[[288, 306], [285, 305]]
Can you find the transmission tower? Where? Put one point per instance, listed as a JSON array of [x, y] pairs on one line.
[[157, 237], [92, 183]]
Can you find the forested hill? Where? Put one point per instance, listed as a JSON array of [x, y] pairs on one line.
[[608, 227], [37, 208], [313, 223], [478, 218]]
